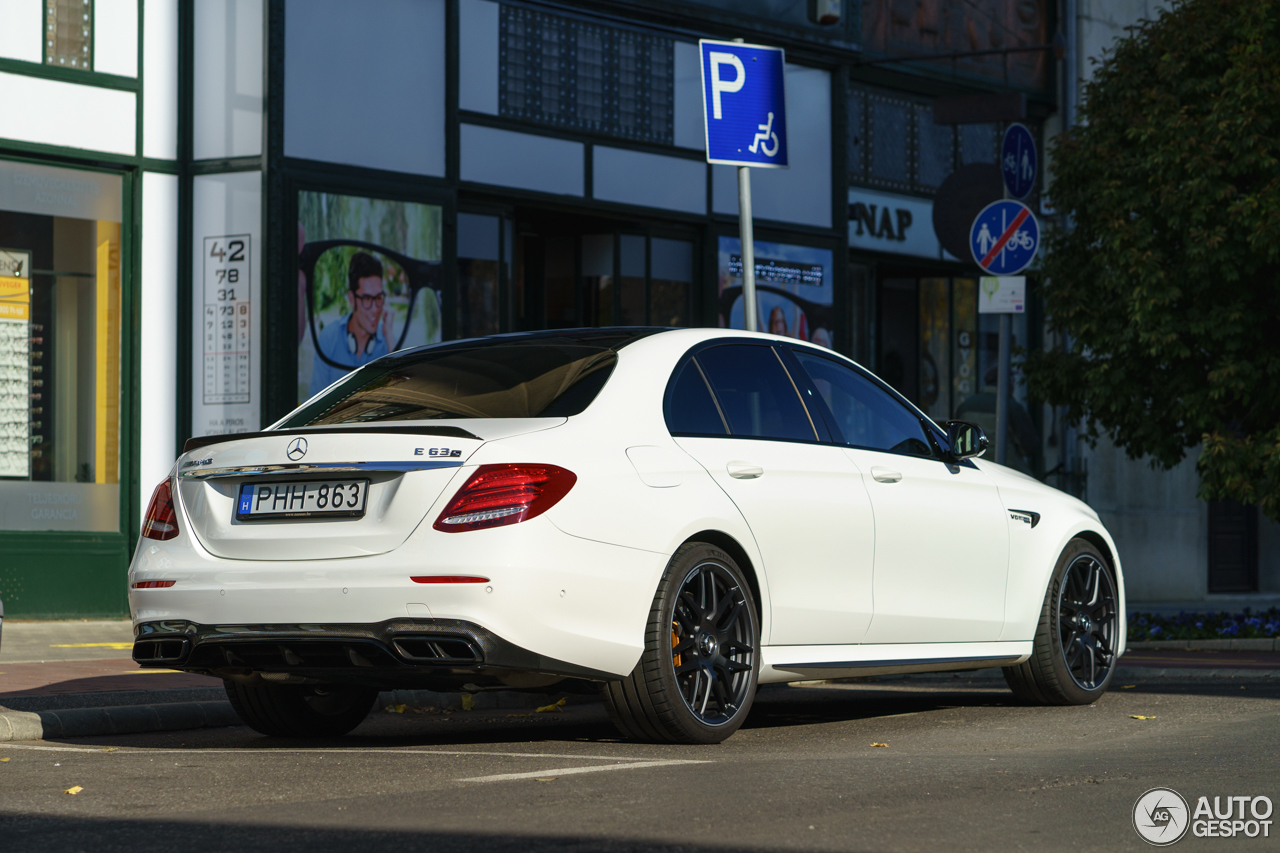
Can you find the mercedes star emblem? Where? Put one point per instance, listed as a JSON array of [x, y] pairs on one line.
[[297, 449]]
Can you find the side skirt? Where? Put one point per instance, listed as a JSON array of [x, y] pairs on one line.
[[803, 663]]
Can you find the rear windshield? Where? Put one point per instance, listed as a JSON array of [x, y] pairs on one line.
[[520, 380]]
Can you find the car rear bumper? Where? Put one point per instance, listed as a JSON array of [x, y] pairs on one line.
[[398, 653]]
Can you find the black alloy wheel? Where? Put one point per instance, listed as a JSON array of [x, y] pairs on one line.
[[712, 648], [1074, 651], [1088, 621], [696, 678]]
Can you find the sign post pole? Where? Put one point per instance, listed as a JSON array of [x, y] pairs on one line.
[[747, 236], [1002, 391], [745, 121], [1006, 296]]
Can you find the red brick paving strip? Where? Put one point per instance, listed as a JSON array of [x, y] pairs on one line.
[[90, 676], [1181, 658]]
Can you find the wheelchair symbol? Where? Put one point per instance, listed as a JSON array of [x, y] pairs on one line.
[[766, 132]]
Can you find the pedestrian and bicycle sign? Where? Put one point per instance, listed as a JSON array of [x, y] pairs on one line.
[[1018, 161], [744, 104], [1004, 237]]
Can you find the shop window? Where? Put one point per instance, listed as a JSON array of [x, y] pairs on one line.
[[1233, 547], [68, 33], [479, 274], [566, 280], [672, 282], [571, 74], [60, 337]]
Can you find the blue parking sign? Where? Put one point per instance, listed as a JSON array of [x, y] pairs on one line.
[[744, 104], [1004, 237]]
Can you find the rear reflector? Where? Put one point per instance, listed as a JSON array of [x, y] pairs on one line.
[[448, 579], [497, 495], [161, 521], [153, 584]]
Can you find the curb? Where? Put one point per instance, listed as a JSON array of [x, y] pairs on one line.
[[1246, 645], [114, 720]]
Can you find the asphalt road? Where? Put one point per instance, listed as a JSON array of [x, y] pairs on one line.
[[964, 768]]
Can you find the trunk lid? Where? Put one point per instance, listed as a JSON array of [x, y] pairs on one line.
[[407, 467]]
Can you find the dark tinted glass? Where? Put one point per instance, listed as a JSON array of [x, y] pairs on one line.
[[755, 393], [524, 380], [689, 408], [865, 414]]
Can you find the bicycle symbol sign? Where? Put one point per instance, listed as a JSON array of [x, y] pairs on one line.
[[744, 104], [1004, 237]]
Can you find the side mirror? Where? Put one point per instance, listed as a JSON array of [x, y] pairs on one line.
[[966, 440]]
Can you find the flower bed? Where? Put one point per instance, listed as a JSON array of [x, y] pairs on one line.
[[1205, 626]]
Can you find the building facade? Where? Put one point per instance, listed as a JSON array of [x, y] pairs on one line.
[[209, 210]]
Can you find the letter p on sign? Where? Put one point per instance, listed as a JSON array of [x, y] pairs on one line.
[[718, 84]]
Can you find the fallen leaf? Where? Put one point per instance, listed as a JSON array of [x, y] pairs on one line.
[[115, 748], [73, 790], [548, 779], [879, 744], [1127, 686], [3, 760], [468, 703], [519, 715], [395, 709], [1140, 717], [554, 707]]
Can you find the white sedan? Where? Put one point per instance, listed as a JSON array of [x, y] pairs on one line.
[[673, 515]]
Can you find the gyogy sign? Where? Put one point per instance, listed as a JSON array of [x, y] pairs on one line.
[[744, 101]]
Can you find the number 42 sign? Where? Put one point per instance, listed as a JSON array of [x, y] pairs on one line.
[[225, 325]]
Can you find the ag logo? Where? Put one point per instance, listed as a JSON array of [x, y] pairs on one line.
[[1161, 817], [297, 449]]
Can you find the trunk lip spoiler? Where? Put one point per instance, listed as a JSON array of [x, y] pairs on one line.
[[446, 431], [294, 469]]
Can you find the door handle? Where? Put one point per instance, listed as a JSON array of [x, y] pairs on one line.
[[740, 470], [885, 475]]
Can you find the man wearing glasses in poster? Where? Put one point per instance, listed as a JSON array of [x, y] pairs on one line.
[[362, 335]]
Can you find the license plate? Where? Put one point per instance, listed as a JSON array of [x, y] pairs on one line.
[[330, 498]]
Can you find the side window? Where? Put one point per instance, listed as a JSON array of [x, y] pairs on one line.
[[865, 414], [689, 409], [755, 393]]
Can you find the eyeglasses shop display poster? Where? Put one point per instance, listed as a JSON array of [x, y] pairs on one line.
[[15, 364], [369, 282], [793, 289]]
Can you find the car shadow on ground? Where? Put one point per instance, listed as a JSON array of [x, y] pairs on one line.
[[24, 832]]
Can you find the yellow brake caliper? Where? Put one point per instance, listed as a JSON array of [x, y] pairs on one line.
[[675, 641]]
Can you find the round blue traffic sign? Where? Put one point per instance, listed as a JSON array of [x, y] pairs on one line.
[[1018, 161], [1004, 237]]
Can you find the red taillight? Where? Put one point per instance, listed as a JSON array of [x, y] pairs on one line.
[[447, 579], [153, 584], [161, 521], [505, 494]]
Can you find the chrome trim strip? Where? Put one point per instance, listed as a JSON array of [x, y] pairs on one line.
[[863, 664], [292, 469]]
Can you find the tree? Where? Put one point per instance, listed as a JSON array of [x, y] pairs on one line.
[[1164, 270]]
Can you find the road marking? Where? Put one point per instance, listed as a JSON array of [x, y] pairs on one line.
[[127, 645], [570, 771]]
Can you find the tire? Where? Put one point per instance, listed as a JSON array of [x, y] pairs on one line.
[[297, 710], [1081, 604], [696, 679]]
